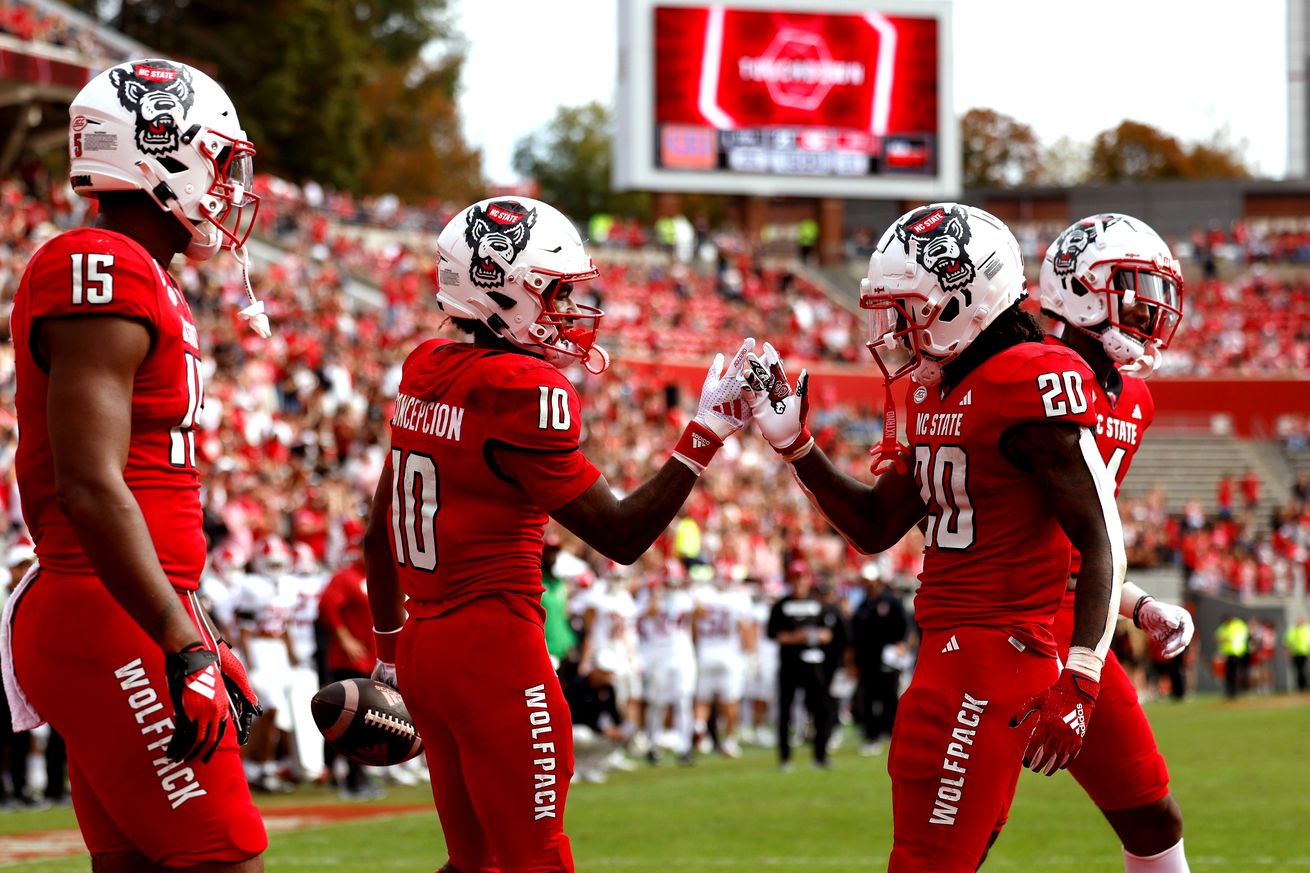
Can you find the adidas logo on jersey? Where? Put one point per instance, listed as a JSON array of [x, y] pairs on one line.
[[967, 399], [1137, 412], [952, 645], [698, 441]]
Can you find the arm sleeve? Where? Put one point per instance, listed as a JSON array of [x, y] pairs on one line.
[[537, 448]]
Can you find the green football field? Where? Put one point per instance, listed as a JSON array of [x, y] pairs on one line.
[[1241, 772]]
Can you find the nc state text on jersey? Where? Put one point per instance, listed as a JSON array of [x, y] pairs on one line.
[[425, 416], [943, 424], [1117, 429]]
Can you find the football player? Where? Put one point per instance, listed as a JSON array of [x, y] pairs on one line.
[[108, 642], [1116, 294], [724, 635], [666, 654], [1002, 471], [484, 446]]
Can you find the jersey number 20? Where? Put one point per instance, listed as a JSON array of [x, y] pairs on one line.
[[943, 486], [414, 509]]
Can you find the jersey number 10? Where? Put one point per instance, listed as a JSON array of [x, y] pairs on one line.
[[414, 504]]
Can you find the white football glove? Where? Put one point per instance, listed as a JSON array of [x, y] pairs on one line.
[[1169, 625], [721, 407], [778, 410], [720, 413]]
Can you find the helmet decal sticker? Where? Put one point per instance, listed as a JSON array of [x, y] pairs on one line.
[[154, 91], [1075, 240], [496, 235], [939, 239]]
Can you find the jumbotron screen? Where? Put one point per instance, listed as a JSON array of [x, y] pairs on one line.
[[796, 93]]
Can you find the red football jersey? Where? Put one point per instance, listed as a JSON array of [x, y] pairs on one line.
[[484, 443], [994, 553], [95, 272], [1121, 422]]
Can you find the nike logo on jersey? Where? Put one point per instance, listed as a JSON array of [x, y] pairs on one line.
[[967, 399], [952, 645], [1137, 412]]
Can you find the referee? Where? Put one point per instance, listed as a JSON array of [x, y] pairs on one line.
[[803, 625]]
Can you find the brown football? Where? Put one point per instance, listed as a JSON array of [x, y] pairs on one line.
[[367, 721]]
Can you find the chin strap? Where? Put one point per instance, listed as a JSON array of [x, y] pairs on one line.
[[890, 455], [1145, 365], [253, 315], [597, 360]]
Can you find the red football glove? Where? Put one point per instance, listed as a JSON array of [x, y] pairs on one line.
[[245, 704], [1063, 711], [200, 706]]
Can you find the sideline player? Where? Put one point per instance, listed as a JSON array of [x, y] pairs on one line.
[[1116, 293], [724, 636], [484, 446], [108, 641], [1003, 472]]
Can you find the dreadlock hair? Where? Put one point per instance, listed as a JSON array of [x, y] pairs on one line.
[[1011, 327], [474, 328]]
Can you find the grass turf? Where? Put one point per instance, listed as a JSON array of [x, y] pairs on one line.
[[1240, 772]]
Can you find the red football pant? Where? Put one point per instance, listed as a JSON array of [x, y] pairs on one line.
[[954, 759], [479, 684], [99, 681], [1120, 765]]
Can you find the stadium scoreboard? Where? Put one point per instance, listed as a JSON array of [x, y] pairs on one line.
[[823, 98]]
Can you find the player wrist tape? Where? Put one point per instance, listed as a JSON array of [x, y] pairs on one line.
[[1137, 609], [1085, 661], [384, 644], [697, 446]]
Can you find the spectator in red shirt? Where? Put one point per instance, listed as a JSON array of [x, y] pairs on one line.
[[1224, 496], [1250, 489], [348, 626]]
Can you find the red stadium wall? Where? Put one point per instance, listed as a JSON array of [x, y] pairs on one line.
[[1252, 406]]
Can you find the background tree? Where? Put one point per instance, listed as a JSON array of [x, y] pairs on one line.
[[999, 151], [571, 157], [1137, 151], [1064, 163], [327, 89]]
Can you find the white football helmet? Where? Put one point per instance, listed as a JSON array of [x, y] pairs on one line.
[[167, 129], [1111, 276], [938, 277], [504, 261]]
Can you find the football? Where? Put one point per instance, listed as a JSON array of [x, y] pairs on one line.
[[366, 721]]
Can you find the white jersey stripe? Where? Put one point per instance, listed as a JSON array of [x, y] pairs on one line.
[[1113, 529]]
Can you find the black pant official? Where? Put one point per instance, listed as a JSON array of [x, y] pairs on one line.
[[877, 696], [812, 680]]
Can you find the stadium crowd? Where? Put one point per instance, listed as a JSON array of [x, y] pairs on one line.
[[295, 428]]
